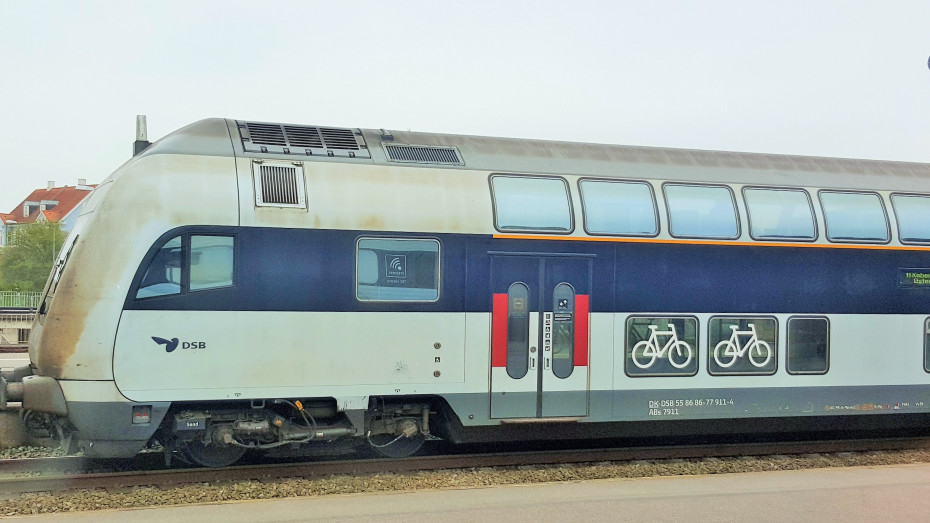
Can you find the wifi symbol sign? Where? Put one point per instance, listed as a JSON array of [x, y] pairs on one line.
[[396, 265]]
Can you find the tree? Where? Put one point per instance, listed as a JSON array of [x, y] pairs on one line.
[[28, 259]]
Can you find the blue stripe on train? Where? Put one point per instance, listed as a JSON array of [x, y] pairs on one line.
[[314, 270]]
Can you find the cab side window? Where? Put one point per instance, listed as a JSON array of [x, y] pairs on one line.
[[188, 263], [163, 276]]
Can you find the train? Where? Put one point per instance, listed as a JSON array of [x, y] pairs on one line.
[[246, 286]]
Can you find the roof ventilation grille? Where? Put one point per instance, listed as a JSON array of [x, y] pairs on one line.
[[302, 140], [303, 136], [423, 154], [279, 185], [266, 134], [339, 138]]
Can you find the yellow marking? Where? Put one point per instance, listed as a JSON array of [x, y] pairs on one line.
[[712, 242]]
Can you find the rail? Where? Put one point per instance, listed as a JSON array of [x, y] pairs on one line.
[[20, 300], [56, 475]]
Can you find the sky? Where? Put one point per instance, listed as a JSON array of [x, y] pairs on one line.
[[817, 77]]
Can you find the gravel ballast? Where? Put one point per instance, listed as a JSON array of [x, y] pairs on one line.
[[458, 478]]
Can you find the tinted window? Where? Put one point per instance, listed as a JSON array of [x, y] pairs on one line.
[[625, 208], [913, 214], [779, 213], [536, 204], [397, 270], [189, 263], [661, 347], [518, 330], [699, 211], [563, 330], [163, 276], [742, 345], [854, 216], [808, 345]]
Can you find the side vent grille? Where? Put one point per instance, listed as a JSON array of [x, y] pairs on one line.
[[423, 154], [302, 140], [279, 185]]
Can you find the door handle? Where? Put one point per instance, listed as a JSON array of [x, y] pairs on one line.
[[547, 359], [532, 363]]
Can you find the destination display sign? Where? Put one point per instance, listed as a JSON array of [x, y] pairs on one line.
[[914, 278]]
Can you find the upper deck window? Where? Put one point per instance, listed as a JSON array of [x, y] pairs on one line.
[[913, 214], [858, 217], [531, 204], [701, 211], [622, 208], [783, 214]]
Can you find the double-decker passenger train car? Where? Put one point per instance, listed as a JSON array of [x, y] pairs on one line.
[[243, 285]]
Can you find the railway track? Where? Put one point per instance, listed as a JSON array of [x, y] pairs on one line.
[[56, 475]]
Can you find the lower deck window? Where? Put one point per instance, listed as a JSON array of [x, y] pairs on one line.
[[808, 345], [742, 346], [661, 347], [395, 269]]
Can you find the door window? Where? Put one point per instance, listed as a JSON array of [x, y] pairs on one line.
[[563, 330], [518, 330]]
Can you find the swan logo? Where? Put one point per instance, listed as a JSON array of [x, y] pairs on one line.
[[173, 343], [170, 345], [396, 266]]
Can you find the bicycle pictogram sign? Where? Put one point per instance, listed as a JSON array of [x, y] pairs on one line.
[[646, 352]]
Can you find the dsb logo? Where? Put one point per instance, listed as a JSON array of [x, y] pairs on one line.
[[174, 343]]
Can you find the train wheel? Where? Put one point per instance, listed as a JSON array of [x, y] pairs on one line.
[[210, 454], [391, 446]]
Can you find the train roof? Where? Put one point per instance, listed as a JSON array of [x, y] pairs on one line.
[[262, 140]]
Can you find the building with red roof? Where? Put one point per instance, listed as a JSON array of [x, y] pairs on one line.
[[52, 204]]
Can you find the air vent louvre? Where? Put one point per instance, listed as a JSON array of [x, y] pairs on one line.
[[339, 138], [279, 185], [266, 134], [423, 154], [302, 140], [303, 136]]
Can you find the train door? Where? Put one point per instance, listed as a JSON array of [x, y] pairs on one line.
[[539, 335]]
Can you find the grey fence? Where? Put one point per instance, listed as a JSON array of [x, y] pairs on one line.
[[26, 300]]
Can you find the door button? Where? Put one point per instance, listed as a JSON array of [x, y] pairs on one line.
[[532, 349]]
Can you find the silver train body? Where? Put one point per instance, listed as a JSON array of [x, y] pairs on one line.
[[247, 285]]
